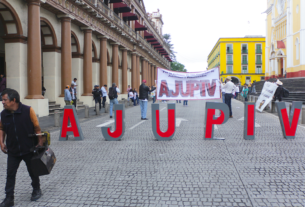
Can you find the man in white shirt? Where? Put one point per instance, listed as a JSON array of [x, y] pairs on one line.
[[73, 94], [104, 92], [229, 88], [236, 91], [74, 82], [118, 90]]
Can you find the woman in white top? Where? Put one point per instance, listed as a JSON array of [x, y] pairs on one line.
[[130, 94]]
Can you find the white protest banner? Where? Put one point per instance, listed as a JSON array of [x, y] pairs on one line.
[[266, 96], [172, 85]]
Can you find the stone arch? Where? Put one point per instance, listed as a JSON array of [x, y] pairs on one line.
[[235, 80], [10, 20], [48, 35], [280, 52], [75, 47], [94, 53]]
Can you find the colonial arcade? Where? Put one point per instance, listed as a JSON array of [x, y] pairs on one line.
[[49, 42]]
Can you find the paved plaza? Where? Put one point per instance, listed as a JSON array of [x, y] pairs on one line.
[[186, 171]]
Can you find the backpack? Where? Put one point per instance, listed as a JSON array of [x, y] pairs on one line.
[[111, 93], [285, 93]]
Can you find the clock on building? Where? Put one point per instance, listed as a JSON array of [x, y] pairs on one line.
[[280, 6]]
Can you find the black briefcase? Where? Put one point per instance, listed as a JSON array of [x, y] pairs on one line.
[[43, 161]]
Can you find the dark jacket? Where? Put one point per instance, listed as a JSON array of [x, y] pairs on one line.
[[18, 126], [279, 92], [2, 84], [97, 93], [143, 91], [75, 91], [115, 92]]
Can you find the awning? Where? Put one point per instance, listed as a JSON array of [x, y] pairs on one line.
[[129, 16], [139, 27], [115, 1], [148, 35], [280, 45], [121, 7], [152, 40]]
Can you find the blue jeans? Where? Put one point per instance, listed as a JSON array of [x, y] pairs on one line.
[[143, 106], [185, 102], [113, 101], [223, 97], [154, 99]]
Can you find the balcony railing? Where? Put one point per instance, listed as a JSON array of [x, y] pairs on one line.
[[259, 51], [244, 71], [107, 12], [229, 62], [258, 71], [259, 62], [244, 62], [230, 51], [244, 51], [229, 71]]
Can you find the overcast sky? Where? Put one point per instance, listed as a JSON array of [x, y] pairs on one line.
[[196, 25]]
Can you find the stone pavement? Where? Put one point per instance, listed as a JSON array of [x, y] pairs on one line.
[[186, 171]]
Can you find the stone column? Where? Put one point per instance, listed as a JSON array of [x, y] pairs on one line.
[[152, 75], [87, 69], [138, 73], [34, 51], [115, 63], [124, 71], [66, 53], [103, 61], [134, 71], [143, 69], [148, 74]]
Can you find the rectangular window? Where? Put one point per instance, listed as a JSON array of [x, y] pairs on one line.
[[229, 60], [229, 49], [244, 59], [259, 48], [244, 69], [258, 59], [262, 78], [244, 47], [258, 69], [248, 80], [229, 69]]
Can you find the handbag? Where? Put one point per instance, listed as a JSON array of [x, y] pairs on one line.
[[43, 161]]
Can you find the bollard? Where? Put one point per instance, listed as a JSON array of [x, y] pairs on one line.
[[303, 115], [56, 118], [107, 106], [126, 103], [97, 109], [273, 107], [86, 111]]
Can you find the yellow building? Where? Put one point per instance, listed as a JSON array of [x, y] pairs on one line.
[[285, 39], [241, 58]]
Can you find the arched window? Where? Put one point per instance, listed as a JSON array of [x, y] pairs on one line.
[[297, 48]]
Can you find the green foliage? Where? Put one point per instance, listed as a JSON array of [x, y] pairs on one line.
[[176, 66]]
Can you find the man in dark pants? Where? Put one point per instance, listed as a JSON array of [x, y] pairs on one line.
[[97, 95], [104, 92], [144, 90], [73, 94], [229, 87], [17, 122]]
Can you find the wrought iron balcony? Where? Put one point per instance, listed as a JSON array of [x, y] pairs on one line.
[[259, 51], [259, 62], [244, 62], [244, 51], [244, 71], [230, 51]]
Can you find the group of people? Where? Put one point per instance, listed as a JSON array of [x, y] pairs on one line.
[[71, 93], [133, 95]]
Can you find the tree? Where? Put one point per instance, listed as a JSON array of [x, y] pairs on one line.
[[167, 39], [176, 66]]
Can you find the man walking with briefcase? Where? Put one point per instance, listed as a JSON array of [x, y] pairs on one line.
[[17, 122]]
